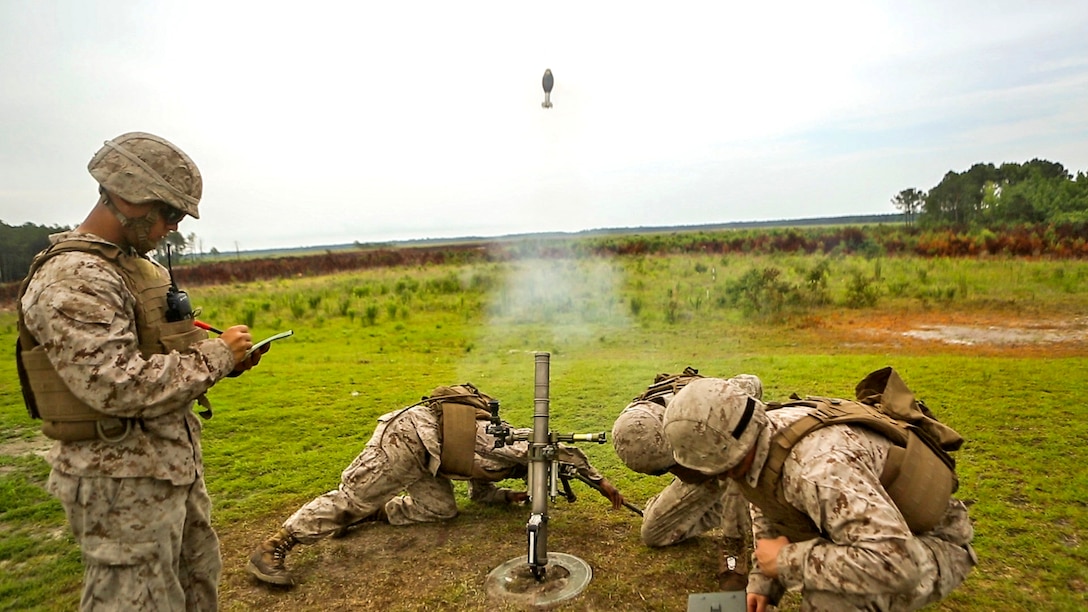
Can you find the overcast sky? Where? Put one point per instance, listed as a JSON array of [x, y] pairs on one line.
[[319, 123]]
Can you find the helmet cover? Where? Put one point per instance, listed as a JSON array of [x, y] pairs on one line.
[[712, 424], [140, 168]]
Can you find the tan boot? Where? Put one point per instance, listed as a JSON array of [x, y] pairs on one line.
[[733, 568], [266, 562]]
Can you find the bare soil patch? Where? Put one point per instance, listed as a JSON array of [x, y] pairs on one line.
[[445, 566], [992, 334], [38, 445]]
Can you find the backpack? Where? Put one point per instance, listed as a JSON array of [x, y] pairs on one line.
[[459, 407], [664, 384], [919, 474]]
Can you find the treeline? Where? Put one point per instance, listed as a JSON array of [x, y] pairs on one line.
[[18, 245], [1032, 209], [1064, 240], [986, 195], [879, 240]]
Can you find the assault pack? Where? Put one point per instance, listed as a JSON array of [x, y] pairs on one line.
[[666, 384], [919, 474], [459, 406]]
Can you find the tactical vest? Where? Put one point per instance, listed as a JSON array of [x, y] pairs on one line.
[[919, 474], [459, 407], [666, 384], [64, 416]]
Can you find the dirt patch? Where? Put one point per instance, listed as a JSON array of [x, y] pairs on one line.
[[1001, 336], [38, 445], [978, 334], [445, 566]]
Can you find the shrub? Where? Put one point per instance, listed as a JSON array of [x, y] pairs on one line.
[[249, 316], [370, 315], [761, 291], [862, 291], [816, 292]]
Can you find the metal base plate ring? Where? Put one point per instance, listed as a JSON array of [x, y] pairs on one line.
[[565, 576]]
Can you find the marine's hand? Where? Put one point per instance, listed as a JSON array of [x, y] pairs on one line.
[[517, 497], [249, 362], [767, 555], [239, 340], [611, 493], [757, 603]]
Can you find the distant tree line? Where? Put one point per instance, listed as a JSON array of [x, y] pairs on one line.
[[1035, 192], [19, 244], [180, 247], [1032, 194]]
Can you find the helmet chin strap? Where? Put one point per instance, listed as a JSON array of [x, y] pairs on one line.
[[137, 230]]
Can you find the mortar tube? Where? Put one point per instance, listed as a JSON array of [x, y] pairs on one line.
[[538, 467]]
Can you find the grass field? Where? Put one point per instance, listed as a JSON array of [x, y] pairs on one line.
[[369, 342]]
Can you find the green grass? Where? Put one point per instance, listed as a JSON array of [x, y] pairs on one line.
[[369, 342]]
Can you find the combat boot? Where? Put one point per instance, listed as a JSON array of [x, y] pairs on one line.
[[266, 562], [733, 565]]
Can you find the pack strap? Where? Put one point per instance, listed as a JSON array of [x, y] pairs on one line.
[[919, 475], [24, 380], [824, 412]]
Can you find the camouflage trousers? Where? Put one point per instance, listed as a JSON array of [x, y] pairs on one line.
[[683, 511], [946, 569], [394, 461], [944, 557], [147, 544]]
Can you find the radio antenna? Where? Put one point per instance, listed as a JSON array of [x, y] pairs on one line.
[[170, 267]]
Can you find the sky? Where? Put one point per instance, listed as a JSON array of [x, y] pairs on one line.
[[326, 123]]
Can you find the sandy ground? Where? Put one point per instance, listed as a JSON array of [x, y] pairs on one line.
[[980, 334]]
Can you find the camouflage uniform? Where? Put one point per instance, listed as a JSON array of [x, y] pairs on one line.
[[849, 546], [138, 507], [682, 510], [864, 556], [404, 455]]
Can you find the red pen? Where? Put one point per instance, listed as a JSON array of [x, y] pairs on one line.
[[203, 325]]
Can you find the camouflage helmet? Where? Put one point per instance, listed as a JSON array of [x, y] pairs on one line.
[[640, 441], [750, 384], [140, 168], [712, 424]]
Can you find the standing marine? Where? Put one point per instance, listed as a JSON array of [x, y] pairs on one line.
[[111, 362]]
